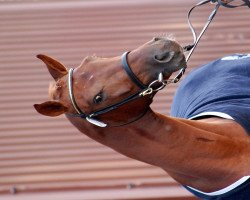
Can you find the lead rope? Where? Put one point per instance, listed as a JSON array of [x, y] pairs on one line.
[[196, 39], [161, 82], [191, 48]]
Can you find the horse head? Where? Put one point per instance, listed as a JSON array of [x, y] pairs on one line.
[[101, 90]]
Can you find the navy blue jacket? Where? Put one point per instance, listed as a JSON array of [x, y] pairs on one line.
[[220, 86], [241, 192]]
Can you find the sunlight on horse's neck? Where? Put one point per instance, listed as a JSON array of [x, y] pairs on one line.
[[172, 144]]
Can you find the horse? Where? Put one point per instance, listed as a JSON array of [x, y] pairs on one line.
[[108, 99]]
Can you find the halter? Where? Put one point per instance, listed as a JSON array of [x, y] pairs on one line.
[[154, 86]]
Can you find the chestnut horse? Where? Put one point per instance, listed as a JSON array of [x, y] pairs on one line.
[[108, 99]]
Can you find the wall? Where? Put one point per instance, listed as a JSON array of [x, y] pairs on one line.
[[45, 158]]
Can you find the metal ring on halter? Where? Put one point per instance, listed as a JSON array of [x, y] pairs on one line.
[[150, 88], [157, 82]]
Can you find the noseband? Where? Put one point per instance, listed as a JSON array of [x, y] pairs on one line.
[[154, 86]]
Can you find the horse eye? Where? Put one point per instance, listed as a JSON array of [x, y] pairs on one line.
[[98, 98]]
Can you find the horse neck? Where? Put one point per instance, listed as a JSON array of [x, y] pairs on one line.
[[166, 142]]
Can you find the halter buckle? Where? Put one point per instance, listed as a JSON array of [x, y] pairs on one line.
[[146, 92], [96, 122]]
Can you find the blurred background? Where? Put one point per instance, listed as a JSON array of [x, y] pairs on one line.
[[44, 158]]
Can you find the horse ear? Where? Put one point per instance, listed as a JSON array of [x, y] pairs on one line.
[[56, 69], [51, 108]]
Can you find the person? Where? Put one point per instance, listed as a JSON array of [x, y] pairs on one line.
[[216, 92]]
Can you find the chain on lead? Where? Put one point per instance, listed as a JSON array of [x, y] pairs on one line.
[[151, 89]]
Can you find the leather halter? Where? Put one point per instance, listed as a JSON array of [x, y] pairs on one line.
[[130, 73], [144, 90]]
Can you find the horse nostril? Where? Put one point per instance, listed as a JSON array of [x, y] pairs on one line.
[[164, 57]]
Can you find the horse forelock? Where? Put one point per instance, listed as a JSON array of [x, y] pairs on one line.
[[54, 88], [51, 90]]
